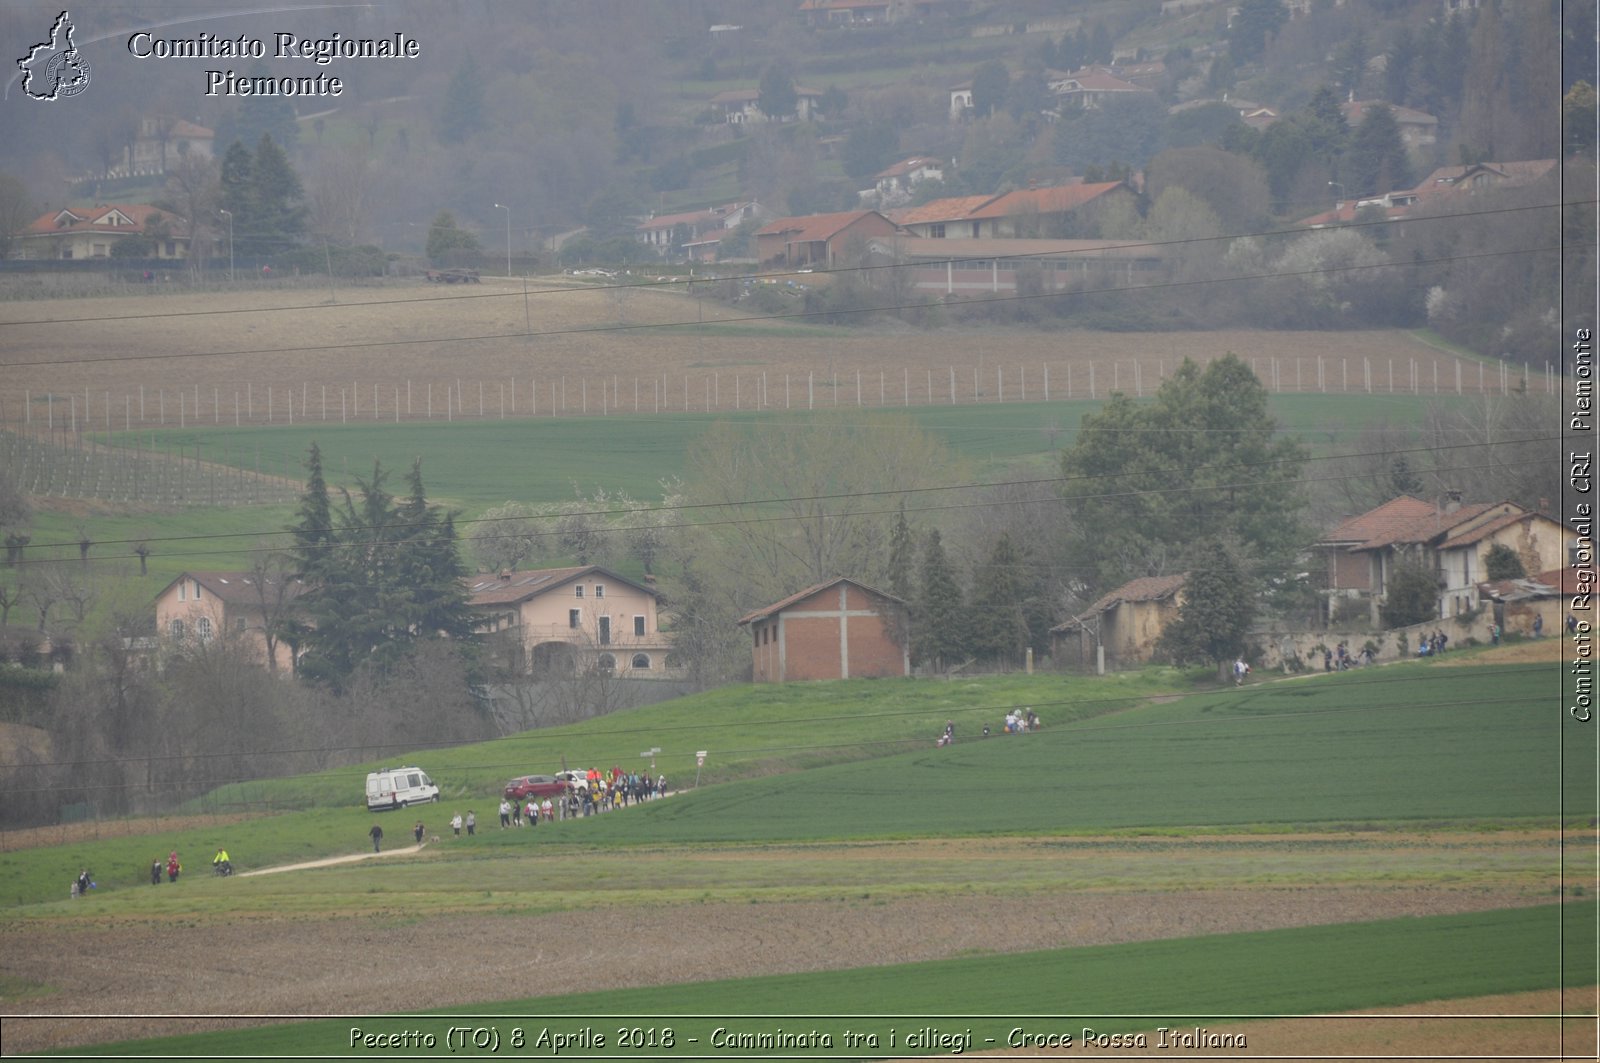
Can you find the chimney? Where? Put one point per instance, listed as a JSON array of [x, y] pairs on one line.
[[1452, 501]]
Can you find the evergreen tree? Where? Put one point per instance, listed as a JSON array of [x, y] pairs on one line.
[[256, 116], [279, 218], [902, 558], [450, 245], [462, 112], [999, 630], [428, 564], [776, 95], [381, 576], [990, 86], [1376, 161], [236, 183], [939, 634], [1502, 562], [1218, 607], [1412, 596], [1255, 23]]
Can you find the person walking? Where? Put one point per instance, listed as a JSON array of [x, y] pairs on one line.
[[455, 824], [155, 871], [416, 832], [173, 867], [472, 823], [377, 837], [1538, 625], [505, 813]]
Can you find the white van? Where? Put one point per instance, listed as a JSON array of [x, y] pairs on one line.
[[399, 787]]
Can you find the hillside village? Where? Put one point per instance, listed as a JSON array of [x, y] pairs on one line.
[[1107, 134], [895, 167]]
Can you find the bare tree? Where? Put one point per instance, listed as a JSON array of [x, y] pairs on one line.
[[802, 501]]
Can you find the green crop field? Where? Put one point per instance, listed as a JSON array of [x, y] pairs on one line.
[[830, 798], [1121, 988]]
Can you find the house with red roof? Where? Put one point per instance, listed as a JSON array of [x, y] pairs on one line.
[[92, 232], [1447, 537], [837, 629], [690, 227], [818, 239], [1091, 87], [1122, 627], [1067, 210]]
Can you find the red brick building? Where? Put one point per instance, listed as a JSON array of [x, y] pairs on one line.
[[840, 629]]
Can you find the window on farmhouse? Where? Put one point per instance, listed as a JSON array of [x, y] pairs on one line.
[[176, 629], [574, 617], [577, 591], [638, 626]]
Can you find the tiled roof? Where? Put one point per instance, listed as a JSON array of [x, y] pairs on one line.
[[1055, 200], [238, 587], [1480, 532], [92, 219], [816, 588], [814, 226], [951, 208], [1142, 589], [510, 588], [1410, 520], [1378, 523], [906, 166], [1557, 582]]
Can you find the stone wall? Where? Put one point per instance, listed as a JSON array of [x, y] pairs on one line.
[[1276, 645]]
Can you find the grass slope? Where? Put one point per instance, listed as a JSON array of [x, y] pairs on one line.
[[1182, 983], [1411, 744]]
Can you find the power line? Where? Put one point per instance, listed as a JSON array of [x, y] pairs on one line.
[[875, 493]]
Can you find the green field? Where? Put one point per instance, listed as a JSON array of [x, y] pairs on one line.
[[832, 794], [547, 459], [1120, 988]]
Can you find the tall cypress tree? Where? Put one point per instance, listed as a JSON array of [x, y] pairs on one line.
[[940, 628], [999, 631], [428, 564], [902, 558], [279, 219]]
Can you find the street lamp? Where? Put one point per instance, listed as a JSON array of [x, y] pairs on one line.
[[501, 206], [229, 213], [1340, 196]]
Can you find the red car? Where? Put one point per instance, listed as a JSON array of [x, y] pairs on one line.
[[535, 786]]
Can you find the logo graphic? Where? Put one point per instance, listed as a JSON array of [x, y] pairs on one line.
[[54, 69]]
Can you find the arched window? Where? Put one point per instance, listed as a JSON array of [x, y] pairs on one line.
[[607, 664], [202, 628], [641, 661], [176, 628]]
